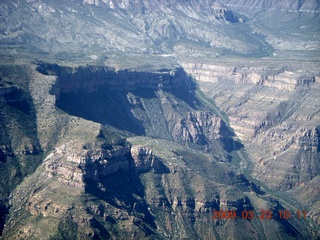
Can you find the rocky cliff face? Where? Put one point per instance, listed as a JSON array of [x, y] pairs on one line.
[[92, 78], [90, 162], [144, 160], [108, 173], [274, 132], [140, 187], [199, 128], [282, 78], [118, 97], [105, 134], [272, 111]]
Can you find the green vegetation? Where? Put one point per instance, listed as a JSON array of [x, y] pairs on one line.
[[18, 136], [67, 229]]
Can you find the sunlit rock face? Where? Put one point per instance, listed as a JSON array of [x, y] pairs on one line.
[[265, 109]]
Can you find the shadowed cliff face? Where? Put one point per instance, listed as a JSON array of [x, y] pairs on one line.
[[108, 97], [160, 104]]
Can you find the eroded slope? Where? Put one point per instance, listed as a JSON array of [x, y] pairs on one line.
[[97, 184]]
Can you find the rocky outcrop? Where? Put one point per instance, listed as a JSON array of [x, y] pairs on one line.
[[273, 77], [199, 128], [223, 13], [63, 163], [202, 205], [238, 204], [308, 139], [120, 99], [94, 187], [92, 78], [175, 200], [143, 159], [74, 163], [266, 108]]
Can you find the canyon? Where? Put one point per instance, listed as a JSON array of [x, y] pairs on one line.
[[137, 119]]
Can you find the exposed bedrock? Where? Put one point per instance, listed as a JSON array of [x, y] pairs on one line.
[[92, 78], [282, 78], [90, 162], [145, 160], [159, 104], [106, 96], [109, 172], [274, 111]]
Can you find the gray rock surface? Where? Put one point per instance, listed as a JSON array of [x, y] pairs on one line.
[[136, 119]]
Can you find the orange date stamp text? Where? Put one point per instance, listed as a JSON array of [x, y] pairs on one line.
[[264, 214]]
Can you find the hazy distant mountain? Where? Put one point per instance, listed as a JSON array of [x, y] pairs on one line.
[[308, 6]]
